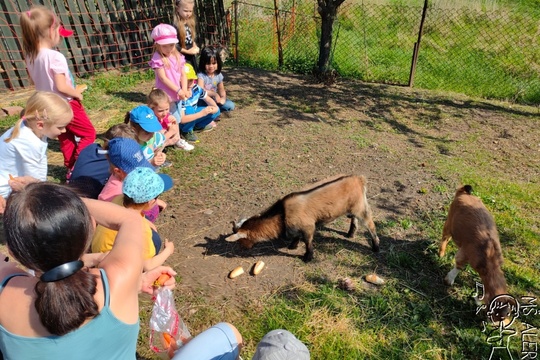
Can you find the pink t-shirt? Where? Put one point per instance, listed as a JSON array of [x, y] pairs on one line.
[[172, 72], [47, 63], [112, 188]]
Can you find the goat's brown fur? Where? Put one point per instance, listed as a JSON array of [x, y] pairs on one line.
[[473, 230], [296, 215]]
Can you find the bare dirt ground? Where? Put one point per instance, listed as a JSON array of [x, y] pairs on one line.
[[289, 131]]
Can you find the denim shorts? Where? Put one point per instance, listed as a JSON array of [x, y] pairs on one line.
[[216, 343]]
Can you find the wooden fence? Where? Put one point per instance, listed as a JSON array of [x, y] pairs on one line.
[[108, 34]]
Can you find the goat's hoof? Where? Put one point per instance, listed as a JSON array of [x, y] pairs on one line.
[[307, 257], [349, 235], [292, 246]]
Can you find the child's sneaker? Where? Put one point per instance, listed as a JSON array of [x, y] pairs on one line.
[[166, 164], [208, 127], [190, 136], [213, 124], [184, 145]]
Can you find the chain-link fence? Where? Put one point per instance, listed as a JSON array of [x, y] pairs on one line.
[[492, 54]]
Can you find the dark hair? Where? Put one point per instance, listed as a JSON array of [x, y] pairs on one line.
[[48, 225], [207, 54]]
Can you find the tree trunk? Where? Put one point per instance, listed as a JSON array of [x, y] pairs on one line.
[[328, 11]]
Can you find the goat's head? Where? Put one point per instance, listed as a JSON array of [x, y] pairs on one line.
[[236, 236]]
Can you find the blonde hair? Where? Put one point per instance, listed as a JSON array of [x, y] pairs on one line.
[[191, 23], [166, 62], [35, 25], [155, 97], [45, 106]]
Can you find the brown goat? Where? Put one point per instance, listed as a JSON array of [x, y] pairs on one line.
[[473, 229], [296, 215]]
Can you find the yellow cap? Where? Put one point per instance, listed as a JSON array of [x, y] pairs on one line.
[[190, 72]]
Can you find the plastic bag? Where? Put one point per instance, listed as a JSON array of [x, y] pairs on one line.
[[166, 326]]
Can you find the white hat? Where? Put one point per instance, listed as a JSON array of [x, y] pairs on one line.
[[281, 345], [164, 34]]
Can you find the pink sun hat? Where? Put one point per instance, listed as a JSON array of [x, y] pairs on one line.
[[164, 34]]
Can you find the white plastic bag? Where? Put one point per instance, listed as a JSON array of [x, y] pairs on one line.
[[166, 326]]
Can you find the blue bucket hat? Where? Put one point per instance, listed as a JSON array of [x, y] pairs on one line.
[[126, 154], [144, 184], [145, 117]]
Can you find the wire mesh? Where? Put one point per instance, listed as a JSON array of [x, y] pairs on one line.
[[491, 53]]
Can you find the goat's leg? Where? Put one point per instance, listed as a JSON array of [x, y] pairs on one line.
[[367, 219], [461, 261], [294, 243], [445, 239], [353, 227], [374, 238], [307, 235]]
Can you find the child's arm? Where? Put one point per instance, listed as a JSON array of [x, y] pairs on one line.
[[160, 258], [211, 93], [206, 111], [222, 94], [64, 88], [160, 73], [183, 85]]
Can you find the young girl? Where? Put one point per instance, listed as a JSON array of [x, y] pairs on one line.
[[211, 78], [41, 31], [23, 148], [186, 25], [158, 101], [168, 66], [147, 130]]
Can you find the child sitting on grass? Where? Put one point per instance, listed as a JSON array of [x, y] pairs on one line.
[[148, 132], [158, 101], [92, 169], [194, 117], [124, 156], [140, 190]]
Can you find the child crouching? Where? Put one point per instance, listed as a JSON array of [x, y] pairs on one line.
[[140, 189]]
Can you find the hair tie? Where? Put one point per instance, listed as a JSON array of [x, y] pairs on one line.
[[62, 271], [28, 13]]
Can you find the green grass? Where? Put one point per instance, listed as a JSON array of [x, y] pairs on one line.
[[465, 48]]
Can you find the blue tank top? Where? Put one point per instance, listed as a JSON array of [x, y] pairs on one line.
[[103, 337]]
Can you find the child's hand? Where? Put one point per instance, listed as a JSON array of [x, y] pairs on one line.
[[159, 158], [168, 247], [18, 183], [161, 204], [195, 50], [211, 109], [78, 95]]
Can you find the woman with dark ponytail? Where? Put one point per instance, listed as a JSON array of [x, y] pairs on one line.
[[66, 310]]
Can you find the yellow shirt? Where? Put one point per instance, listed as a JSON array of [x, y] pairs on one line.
[[104, 238]]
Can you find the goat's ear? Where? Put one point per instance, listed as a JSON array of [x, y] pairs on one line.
[[235, 237]]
